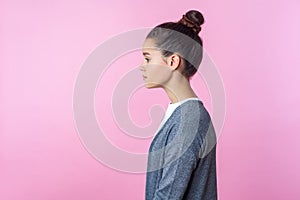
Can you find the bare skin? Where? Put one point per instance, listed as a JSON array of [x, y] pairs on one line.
[[165, 74]]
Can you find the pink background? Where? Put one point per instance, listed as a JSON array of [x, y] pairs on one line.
[[255, 45]]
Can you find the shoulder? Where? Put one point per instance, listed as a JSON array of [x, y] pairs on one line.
[[188, 120], [191, 112]]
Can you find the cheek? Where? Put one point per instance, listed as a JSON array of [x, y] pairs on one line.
[[159, 72]]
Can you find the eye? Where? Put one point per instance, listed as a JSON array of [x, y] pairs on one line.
[[147, 59]]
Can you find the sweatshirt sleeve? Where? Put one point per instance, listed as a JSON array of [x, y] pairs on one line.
[[180, 159]]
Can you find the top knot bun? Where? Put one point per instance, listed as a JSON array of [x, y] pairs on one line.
[[193, 19]]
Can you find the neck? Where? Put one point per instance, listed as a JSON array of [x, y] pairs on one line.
[[179, 89]]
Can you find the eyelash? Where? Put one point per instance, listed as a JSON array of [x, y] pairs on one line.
[[147, 59]]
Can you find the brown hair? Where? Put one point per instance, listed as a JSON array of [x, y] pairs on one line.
[[170, 37]]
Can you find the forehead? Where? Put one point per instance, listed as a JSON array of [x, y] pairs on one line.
[[149, 46]]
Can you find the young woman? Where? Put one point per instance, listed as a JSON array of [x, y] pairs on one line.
[[182, 155]]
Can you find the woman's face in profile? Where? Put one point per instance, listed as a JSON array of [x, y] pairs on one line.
[[154, 69]]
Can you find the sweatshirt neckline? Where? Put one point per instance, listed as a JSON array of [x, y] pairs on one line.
[[182, 101], [175, 109]]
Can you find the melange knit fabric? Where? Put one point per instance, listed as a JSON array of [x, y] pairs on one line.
[[171, 107], [182, 156]]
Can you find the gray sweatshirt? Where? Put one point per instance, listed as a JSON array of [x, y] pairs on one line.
[[182, 156]]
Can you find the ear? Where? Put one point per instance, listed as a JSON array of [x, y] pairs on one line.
[[174, 61]]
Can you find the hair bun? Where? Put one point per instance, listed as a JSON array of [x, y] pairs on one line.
[[193, 19]]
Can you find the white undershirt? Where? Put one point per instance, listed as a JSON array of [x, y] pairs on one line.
[[170, 109]]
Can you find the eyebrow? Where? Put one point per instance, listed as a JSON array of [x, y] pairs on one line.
[[146, 53]]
